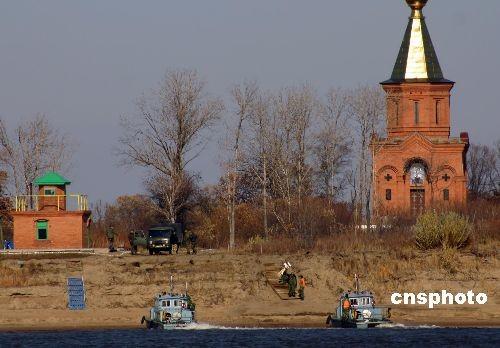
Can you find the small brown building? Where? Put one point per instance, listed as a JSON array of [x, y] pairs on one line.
[[418, 164], [51, 219]]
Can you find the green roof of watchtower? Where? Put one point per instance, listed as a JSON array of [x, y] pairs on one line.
[[51, 178]]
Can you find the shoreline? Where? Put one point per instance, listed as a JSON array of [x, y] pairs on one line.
[[271, 322], [422, 325], [231, 291]]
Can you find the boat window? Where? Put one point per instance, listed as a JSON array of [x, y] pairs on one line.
[[168, 303], [354, 301], [176, 303], [163, 303], [367, 300]]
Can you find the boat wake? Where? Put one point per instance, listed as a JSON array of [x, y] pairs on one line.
[[402, 326], [206, 326]]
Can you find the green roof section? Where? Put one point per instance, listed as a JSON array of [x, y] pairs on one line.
[[51, 178], [417, 59]]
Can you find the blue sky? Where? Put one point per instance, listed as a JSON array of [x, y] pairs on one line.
[[84, 63]]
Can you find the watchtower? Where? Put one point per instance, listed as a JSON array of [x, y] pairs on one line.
[[51, 219], [52, 191]]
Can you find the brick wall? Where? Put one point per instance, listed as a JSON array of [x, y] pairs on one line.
[[52, 203], [425, 137], [65, 230], [442, 159]]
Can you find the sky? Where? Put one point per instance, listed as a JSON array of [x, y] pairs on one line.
[[84, 63]]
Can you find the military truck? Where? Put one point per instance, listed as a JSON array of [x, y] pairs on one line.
[[158, 238]]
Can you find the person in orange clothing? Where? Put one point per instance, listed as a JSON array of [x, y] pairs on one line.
[[346, 305], [302, 285]]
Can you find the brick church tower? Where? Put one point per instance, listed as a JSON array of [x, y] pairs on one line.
[[418, 164]]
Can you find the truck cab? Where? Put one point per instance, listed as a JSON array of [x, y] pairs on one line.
[[161, 238], [157, 238]]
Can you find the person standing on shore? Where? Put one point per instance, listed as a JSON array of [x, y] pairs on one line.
[[302, 286], [110, 234], [174, 240], [292, 285], [193, 239]]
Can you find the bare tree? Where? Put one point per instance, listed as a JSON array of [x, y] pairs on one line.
[[497, 170], [333, 143], [172, 196], [244, 97], [366, 110], [290, 144], [261, 124], [170, 131], [33, 148], [483, 170]]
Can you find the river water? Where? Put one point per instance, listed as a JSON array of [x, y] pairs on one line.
[[230, 337]]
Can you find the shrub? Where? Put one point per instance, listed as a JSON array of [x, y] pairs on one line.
[[428, 232], [456, 230], [447, 230], [255, 243]]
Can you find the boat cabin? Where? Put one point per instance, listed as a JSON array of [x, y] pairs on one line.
[[170, 302], [360, 299]]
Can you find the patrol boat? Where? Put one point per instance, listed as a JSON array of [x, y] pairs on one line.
[[171, 310], [357, 309]]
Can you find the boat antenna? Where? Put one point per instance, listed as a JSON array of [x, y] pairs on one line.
[[356, 280], [186, 288], [172, 284]]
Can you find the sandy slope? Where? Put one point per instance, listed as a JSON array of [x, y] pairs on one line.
[[230, 289]]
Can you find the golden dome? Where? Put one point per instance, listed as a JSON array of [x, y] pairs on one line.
[[416, 4]]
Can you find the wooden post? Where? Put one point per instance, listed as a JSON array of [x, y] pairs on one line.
[[1, 233]]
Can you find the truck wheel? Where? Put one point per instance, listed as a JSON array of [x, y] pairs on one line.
[[151, 251]]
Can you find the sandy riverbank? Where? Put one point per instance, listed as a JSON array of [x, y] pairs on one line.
[[230, 289]]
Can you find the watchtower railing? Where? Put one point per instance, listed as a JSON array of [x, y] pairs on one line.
[[70, 202]]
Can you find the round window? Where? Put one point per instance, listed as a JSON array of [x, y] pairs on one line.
[[417, 174]]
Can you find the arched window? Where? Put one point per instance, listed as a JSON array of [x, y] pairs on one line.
[[417, 174], [437, 111], [416, 110], [416, 168]]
